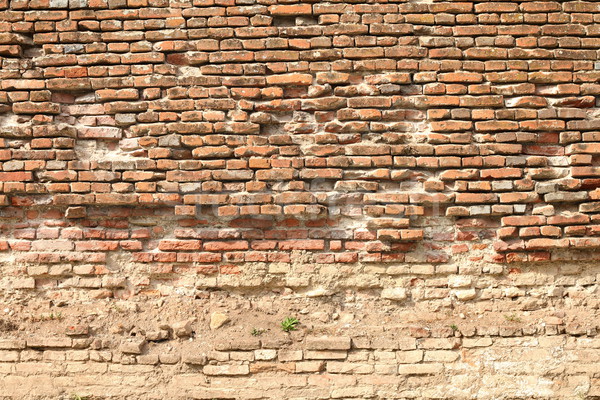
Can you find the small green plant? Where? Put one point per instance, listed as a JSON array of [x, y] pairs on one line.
[[257, 332], [454, 327], [289, 324], [48, 317], [512, 317], [75, 396], [118, 308]]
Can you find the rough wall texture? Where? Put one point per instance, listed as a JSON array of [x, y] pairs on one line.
[[416, 181]]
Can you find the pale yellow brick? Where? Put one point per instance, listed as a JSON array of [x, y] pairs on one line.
[[441, 356], [420, 369], [409, 357], [226, 370]]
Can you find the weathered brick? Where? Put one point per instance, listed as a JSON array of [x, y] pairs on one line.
[[227, 370], [327, 343]]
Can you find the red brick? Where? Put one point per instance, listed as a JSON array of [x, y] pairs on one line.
[[15, 176], [290, 79], [460, 77], [96, 245], [179, 245], [225, 245], [547, 243], [523, 220], [476, 198], [291, 9], [503, 173], [302, 245]]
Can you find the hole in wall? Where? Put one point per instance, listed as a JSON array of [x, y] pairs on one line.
[[284, 21], [307, 20]]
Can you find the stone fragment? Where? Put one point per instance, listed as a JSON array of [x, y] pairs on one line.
[[77, 330], [156, 336], [465, 294], [218, 319], [183, 328], [133, 346], [75, 212]]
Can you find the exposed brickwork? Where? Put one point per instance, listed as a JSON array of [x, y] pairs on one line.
[[329, 127], [428, 154]]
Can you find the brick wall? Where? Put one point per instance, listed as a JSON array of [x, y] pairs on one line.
[[416, 181]]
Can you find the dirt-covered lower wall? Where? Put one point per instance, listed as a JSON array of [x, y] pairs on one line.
[[413, 185]]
